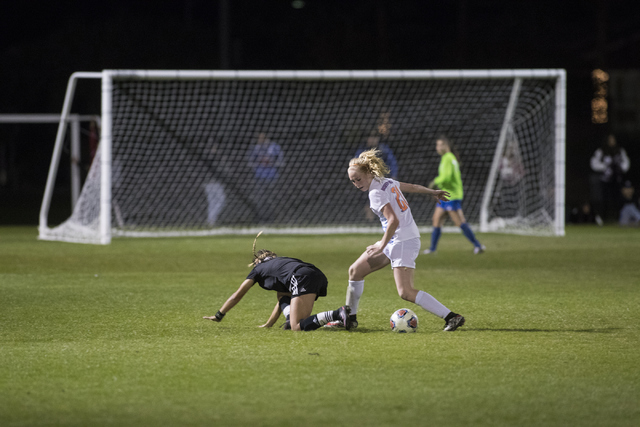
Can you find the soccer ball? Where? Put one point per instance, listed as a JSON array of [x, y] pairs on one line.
[[404, 320]]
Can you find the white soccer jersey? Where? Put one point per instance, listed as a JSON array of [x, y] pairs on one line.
[[387, 190]]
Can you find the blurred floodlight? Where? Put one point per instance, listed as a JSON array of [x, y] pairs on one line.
[[600, 75], [599, 104]]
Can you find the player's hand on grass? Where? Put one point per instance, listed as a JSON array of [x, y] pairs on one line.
[[266, 325], [216, 317]]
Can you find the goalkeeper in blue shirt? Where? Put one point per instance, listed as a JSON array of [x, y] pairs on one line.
[[449, 179]]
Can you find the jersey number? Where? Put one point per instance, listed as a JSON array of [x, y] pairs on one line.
[[402, 202]]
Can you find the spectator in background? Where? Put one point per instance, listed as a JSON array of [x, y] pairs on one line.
[[214, 188], [610, 162], [629, 213], [265, 159], [511, 173], [583, 215]]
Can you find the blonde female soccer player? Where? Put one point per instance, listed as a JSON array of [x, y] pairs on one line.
[[400, 243], [298, 285], [449, 179]]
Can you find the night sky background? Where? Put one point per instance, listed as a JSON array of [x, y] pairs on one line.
[[43, 42]]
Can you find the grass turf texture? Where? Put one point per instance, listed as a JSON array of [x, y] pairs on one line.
[[114, 335]]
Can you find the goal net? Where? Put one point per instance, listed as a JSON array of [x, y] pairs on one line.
[[217, 152]]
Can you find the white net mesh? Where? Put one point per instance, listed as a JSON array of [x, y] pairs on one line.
[[207, 156]]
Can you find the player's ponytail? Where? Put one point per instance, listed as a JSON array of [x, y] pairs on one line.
[[253, 251], [261, 255], [369, 161]]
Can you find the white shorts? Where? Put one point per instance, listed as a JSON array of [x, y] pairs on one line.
[[403, 254]]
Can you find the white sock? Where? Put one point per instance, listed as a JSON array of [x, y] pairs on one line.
[[286, 311], [431, 304], [354, 292], [324, 317]]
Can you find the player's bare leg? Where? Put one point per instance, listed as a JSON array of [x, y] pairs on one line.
[[302, 320], [301, 308], [366, 265], [457, 217], [404, 284], [438, 217], [361, 268]]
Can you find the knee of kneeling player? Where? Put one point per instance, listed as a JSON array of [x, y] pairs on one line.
[[297, 327]]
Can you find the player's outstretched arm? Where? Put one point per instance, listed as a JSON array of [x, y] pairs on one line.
[[232, 301], [439, 195]]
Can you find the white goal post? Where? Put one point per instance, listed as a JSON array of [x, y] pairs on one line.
[[189, 153]]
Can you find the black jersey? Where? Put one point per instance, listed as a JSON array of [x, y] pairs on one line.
[[276, 274]]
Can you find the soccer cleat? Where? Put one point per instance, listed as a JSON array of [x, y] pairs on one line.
[[429, 252], [454, 323], [479, 249], [339, 324], [344, 315], [334, 324], [286, 325]]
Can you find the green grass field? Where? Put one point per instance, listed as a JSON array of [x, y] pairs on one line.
[[114, 335]]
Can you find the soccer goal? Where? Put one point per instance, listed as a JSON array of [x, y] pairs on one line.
[[187, 153]]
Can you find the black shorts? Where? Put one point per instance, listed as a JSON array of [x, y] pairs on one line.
[[307, 280]]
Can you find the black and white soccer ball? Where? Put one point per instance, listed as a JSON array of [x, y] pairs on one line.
[[403, 321]]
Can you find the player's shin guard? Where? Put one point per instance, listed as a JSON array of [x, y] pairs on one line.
[[431, 304], [435, 236], [354, 292], [468, 233], [311, 323]]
